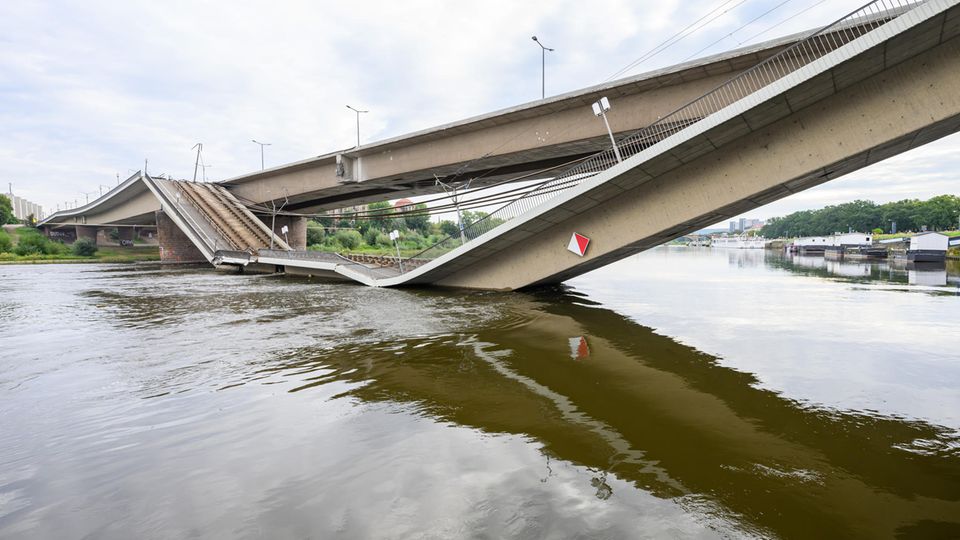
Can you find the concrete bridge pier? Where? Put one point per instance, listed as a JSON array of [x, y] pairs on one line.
[[175, 247], [126, 235], [297, 229], [87, 231]]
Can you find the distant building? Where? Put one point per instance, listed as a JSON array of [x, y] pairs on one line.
[[404, 205], [23, 209], [745, 224]]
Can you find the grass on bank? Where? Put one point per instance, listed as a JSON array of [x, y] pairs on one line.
[[28, 245]]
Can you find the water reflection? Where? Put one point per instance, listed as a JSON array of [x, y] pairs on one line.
[[942, 274], [665, 417]]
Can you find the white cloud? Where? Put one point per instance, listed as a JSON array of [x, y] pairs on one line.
[[88, 90]]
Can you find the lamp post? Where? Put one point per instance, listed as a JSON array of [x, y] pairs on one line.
[[358, 111], [543, 67], [600, 108], [262, 144]]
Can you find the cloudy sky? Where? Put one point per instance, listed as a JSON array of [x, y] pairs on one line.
[[89, 89]]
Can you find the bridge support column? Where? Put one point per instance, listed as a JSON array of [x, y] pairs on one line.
[[87, 231], [297, 230], [175, 247], [126, 235]]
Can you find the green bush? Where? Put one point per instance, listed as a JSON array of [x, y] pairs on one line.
[[6, 245], [57, 248], [85, 247], [315, 233], [32, 243], [383, 240], [349, 239], [370, 237]]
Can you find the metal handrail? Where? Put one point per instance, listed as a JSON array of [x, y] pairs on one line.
[[205, 216], [212, 243], [806, 50]]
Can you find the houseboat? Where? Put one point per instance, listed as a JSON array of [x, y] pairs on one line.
[[811, 245], [928, 247]]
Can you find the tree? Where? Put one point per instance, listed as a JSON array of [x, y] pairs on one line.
[[449, 228], [380, 213], [420, 221], [6, 211]]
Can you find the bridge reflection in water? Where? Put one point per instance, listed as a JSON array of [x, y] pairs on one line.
[[634, 405]]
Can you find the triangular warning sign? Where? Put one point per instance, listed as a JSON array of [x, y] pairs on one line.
[[578, 244]]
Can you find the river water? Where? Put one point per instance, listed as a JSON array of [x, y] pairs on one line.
[[681, 393]]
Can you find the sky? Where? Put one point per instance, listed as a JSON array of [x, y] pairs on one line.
[[90, 89]]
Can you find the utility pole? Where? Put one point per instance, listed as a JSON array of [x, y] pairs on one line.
[[196, 164], [273, 217], [452, 191]]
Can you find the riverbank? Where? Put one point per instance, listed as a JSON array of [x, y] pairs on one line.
[[105, 254], [24, 245]]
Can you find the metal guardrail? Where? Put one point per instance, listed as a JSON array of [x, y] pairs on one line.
[[814, 46], [212, 244], [226, 238], [321, 256]]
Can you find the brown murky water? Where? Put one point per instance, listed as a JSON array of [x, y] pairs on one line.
[[679, 394]]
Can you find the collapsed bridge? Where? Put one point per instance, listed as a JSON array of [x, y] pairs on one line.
[[695, 144]]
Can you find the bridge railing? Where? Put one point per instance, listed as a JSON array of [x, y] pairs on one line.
[[205, 236], [218, 231], [808, 49]]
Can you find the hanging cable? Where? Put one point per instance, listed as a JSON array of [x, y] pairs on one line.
[[788, 19], [751, 21], [666, 44]]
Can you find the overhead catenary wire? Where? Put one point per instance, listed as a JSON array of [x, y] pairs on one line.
[[788, 19], [748, 23], [672, 40]]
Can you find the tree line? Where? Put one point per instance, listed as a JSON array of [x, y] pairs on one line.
[[936, 214]]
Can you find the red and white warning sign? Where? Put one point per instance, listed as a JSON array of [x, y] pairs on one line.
[[579, 349], [578, 244]]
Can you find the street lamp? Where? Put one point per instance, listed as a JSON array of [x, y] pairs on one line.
[[600, 108], [358, 111], [543, 67], [262, 144]]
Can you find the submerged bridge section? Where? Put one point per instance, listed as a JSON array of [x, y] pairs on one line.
[[876, 83]]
